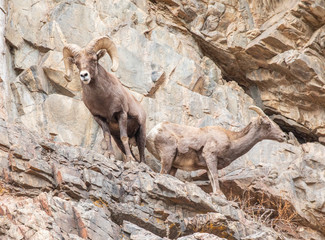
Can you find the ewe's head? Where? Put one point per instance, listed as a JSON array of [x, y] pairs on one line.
[[86, 59], [267, 128]]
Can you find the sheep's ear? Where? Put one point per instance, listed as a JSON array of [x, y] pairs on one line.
[[72, 60], [259, 120], [266, 121], [101, 53]]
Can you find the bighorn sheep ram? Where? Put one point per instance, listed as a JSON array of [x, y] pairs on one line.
[[212, 148], [113, 107]]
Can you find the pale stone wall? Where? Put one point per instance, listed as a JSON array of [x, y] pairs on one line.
[[191, 62], [3, 13], [3, 59]]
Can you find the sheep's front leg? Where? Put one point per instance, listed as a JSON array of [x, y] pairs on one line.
[[123, 121], [211, 160], [106, 143]]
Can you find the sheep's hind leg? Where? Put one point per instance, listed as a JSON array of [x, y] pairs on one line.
[[166, 163], [173, 171], [167, 155], [141, 141], [106, 143], [122, 121]]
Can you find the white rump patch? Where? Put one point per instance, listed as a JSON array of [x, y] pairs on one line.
[[154, 131]]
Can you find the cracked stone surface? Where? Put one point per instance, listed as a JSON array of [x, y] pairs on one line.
[[56, 190], [190, 62]]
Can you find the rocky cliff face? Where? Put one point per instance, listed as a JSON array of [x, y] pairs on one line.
[[191, 62]]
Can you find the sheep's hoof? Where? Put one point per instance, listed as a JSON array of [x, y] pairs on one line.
[[218, 194], [129, 158], [109, 154], [104, 145], [219, 199]]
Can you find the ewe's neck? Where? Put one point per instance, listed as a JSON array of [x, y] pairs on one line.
[[244, 140]]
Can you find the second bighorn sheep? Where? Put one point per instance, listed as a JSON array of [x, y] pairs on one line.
[[113, 107], [211, 148]]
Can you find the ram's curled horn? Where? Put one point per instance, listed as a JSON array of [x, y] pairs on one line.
[[69, 51], [107, 44], [258, 111]]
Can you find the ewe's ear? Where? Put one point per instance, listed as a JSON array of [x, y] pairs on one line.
[[259, 120], [101, 54], [266, 120]]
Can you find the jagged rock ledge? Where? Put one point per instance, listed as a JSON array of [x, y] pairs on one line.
[[56, 190]]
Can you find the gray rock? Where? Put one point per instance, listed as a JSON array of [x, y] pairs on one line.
[[201, 236], [137, 233], [76, 128], [4, 141], [181, 60]]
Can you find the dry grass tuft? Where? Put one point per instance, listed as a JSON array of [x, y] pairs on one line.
[[272, 212], [3, 190]]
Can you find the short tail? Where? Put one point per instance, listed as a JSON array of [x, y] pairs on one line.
[[130, 146]]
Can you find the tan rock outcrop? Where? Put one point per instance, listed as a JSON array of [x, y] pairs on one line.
[[55, 190], [275, 45]]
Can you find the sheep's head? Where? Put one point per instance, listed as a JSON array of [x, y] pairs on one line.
[[86, 59], [267, 128]]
